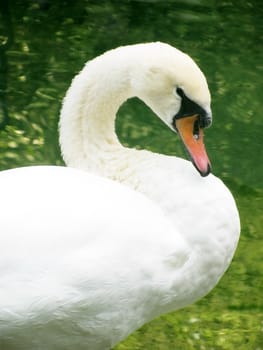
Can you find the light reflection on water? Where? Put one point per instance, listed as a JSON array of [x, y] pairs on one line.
[[222, 38]]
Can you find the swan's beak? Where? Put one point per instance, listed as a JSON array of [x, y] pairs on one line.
[[193, 138]]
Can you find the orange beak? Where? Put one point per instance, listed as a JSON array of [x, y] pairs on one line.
[[192, 136]]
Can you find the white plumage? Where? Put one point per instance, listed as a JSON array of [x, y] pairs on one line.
[[85, 260]]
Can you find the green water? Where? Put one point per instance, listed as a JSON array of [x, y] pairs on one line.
[[43, 44]]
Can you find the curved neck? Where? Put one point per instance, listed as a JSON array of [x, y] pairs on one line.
[[89, 142], [87, 123]]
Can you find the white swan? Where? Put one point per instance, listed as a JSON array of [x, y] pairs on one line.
[[85, 260]]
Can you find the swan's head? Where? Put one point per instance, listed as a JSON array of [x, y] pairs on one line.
[[174, 87]]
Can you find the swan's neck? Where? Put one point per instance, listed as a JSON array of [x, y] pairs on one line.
[[87, 125], [89, 142]]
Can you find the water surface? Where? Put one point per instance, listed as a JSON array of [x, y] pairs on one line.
[[45, 43]]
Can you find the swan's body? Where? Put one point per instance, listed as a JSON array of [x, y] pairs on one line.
[[84, 260]]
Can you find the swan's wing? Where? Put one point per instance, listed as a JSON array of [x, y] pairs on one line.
[[66, 235]]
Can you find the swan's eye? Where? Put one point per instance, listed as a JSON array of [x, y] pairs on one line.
[[180, 92]]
